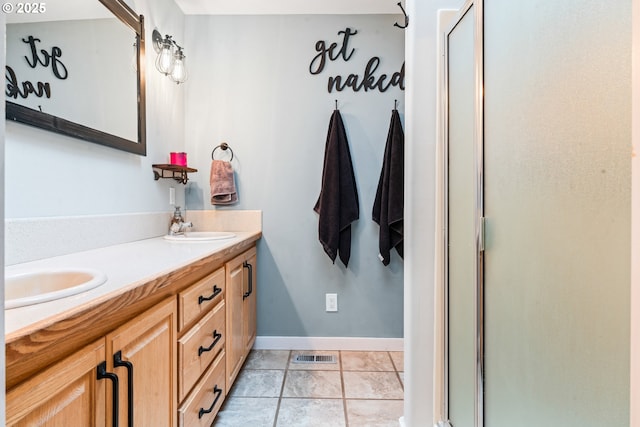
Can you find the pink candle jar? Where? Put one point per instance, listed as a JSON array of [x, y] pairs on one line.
[[179, 159]]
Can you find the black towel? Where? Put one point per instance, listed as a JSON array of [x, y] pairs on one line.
[[337, 205], [388, 208]]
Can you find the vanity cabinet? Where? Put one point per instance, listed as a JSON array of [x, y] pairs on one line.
[[163, 354], [217, 330], [241, 310], [138, 359], [201, 350]]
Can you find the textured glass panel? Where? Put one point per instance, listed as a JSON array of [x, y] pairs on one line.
[[462, 253], [557, 202]]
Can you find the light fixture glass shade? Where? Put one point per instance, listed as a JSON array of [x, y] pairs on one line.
[[164, 61], [179, 71]]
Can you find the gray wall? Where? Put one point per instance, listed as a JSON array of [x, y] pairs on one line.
[[249, 85]]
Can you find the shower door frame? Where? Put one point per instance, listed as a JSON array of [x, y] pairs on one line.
[[478, 6]]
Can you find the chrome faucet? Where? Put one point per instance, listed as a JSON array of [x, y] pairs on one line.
[[178, 226]]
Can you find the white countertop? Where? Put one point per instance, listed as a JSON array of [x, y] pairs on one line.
[[126, 266]]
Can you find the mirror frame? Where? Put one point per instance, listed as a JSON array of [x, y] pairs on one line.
[[21, 114]]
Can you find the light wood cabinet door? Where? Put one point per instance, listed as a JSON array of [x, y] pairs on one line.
[[68, 394], [142, 353], [249, 303], [235, 342], [241, 311]]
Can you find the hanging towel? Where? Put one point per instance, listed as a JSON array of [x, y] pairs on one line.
[[337, 204], [223, 186], [388, 207]]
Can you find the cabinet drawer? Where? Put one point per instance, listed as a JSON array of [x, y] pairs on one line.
[[198, 347], [202, 404], [200, 297]]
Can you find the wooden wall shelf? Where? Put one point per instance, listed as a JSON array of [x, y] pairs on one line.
[[179, 173]]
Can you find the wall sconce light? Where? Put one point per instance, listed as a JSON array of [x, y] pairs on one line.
[[170, 60]]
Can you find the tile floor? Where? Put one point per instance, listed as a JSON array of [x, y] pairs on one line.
[[362, 389]]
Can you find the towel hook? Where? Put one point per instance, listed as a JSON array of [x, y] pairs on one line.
[[395, 104], [336, 104], [224, 146], [406, 18]]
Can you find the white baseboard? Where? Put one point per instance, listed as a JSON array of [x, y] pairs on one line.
[[328, 343]]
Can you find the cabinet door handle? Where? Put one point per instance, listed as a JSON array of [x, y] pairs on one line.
[[216, 337], [103, 374], [118, 362], [216, 292], [218, 392], [250, 290]]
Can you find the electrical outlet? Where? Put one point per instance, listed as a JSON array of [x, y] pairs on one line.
[[331, 302], [172, 196]]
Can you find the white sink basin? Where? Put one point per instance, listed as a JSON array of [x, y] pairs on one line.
[[199, 236], [47, 285]]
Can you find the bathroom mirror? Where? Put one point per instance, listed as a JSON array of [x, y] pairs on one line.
[[76, 67]]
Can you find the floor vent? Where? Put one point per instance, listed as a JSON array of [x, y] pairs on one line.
[[314, 358]]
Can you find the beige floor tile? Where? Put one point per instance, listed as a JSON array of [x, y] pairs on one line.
[[267, 359], [311, 395], [372, 385], [311, 413], [247, 411], [315, 384], [258, 383], [314, 366], [366, 361], [374, 413], [398, 359]]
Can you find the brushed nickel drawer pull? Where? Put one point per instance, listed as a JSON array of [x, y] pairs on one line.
[[216, 337]]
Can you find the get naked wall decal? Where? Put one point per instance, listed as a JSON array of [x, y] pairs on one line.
[[340, 50], [43, 58]]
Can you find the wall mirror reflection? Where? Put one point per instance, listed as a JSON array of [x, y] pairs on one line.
[[74, 67]]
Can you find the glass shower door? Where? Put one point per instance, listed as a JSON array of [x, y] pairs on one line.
[[557, 151], [460, 286]]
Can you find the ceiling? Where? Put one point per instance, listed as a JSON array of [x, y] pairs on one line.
[[81, 9], [288, 7]]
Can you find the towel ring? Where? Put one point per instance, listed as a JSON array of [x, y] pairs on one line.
[[224, 146]]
